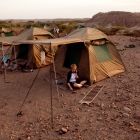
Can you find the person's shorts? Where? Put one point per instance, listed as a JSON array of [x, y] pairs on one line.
[[72, 84], [77, 81]]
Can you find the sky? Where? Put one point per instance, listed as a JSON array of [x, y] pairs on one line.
[[51, 9]]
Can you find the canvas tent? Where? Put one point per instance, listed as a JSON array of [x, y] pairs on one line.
[[5, 32], [96, 56], [51, 30], [30, 54], [48, 28]]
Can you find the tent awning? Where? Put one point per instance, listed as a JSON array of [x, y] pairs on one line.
[[11, 39], [52, 42]]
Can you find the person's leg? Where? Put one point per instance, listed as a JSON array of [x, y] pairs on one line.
[[77, 85], [72, 85], [2, 65], [8, 62], [83, 82]]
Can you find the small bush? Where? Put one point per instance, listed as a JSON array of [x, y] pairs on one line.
[[116, 28], [103, 29], [136, 33], [128, 33]]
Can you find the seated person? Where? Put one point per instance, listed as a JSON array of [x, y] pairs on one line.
[[72, 78], [6, 61]]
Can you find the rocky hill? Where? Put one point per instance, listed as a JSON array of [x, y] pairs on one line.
[[114, 18]]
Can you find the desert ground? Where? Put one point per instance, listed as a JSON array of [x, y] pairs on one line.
[[113, 115]]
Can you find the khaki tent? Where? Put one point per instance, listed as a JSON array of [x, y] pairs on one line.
[[92, 51], [95, 55], [30, 54], [10, 31], [51, 30], [48, 28]]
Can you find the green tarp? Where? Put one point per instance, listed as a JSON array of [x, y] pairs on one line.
[[102, 53], [8, 34]]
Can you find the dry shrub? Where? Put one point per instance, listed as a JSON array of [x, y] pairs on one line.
[[103, 29], [136, 33], [114, 29], [128, 33]]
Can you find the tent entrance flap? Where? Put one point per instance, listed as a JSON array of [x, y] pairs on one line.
[[73, 54], [102, 53], [23, 51]]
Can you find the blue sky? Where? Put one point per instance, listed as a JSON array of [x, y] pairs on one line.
[[49, 9]]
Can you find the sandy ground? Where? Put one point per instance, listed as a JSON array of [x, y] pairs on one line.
[[113, 115]]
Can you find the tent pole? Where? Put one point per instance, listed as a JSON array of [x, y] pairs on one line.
[[51, 99], [15, 55], [4, 65], [51, 96], [6, 51], [13, 44], [55, 78]]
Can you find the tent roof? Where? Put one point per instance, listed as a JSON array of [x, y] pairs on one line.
[[79, 35], [11, 39], [5, 30], [26, 34], [53, 42], [35, 31], [87, 34], [48, 28], [11, 29]]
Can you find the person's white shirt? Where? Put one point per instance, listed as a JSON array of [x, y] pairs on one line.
[[57, 30], [54, 29], [73, 77]]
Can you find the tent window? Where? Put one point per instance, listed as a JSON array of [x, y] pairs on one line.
[[73, 54], [102, 53], [23, 51], [8, 34]]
